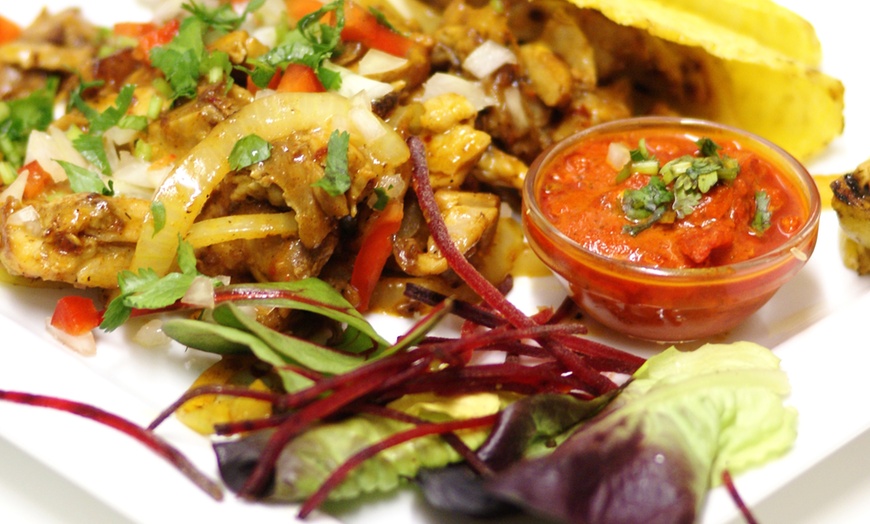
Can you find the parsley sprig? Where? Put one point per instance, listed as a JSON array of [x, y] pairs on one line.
[[677, 186]]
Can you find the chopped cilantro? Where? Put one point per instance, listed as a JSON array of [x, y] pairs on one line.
[[180, 59], [248, 151], [689, 176], [222, 18], [382, 199], [640, 161], [20, 116], [310, 43], [761, 220], [83, 180], [336, 177], [146, 290], [158, 214], [90, 144]]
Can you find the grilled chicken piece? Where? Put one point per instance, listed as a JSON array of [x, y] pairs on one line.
[[83, 239], [851, 202]]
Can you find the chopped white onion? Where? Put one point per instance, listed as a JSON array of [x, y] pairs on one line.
[[28, 217], [84, 344], [151, 334], [364, 121], [514, 103], [200, 293], [120, 136], [618, 155], [353, 84], [487, 58], [443, 83], [46, 147], [375, 62], [16, 188]]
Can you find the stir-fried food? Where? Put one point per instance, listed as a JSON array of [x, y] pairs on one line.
[[281, 167], [155, 112]]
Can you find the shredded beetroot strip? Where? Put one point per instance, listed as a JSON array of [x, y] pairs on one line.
[[152, 441], [337, 476], [728, 482], [597, 382]]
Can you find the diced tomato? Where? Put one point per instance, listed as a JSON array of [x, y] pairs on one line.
[[133, 29], [156, 36], [9, 30], [359, 26], [75, 315], [38, 180], [299, 78], [377, 245]]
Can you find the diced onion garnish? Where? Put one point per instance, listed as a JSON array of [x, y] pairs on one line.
[[151, 334], [28, 217], [353, 84], [376, 62], [200, 293], [442, 83], [364, 122], [46, 147], [618, 155], [15, 189], [84, 344], [514, 104], [487, 58]]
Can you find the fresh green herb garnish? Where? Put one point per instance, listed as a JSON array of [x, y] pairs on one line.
[[185, 59], [147, 290], [83, 180], [90, 144], [689, 178], [336, 177], [248, 151], [382, 199], [158, 214], [222, 18], [310, 43], [21, 116], [761, 220], [640, 161]]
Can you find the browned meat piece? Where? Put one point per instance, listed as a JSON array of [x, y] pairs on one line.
[[82, 239]]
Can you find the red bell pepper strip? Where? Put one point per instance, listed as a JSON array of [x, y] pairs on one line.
[[38, 180], [376, 248], [299, 78], [148, 34], [9, 30], [75, 315]]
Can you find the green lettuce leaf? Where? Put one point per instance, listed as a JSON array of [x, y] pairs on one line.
[[654, 452]]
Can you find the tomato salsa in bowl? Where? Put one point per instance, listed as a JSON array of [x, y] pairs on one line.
[[670, 229]]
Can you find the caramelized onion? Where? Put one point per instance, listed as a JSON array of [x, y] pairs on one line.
[[185, 191]]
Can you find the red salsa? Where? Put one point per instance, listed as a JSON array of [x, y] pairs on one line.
[[740, 217]]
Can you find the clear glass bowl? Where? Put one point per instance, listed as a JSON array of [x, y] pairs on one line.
[[664, 304]]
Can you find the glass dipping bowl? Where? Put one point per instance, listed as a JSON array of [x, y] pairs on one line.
[[669, 304]]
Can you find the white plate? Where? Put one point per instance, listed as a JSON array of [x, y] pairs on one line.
[[55, 461]]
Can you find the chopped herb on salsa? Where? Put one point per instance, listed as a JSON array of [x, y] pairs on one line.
[[689, 177]]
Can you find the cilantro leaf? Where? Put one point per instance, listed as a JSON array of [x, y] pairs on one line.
[[158, 214], [222, 18], [20, 116], [83, 180], [761, 220], [647, 204], [310, 43], [336, 177], [146, 290], [248, 151]]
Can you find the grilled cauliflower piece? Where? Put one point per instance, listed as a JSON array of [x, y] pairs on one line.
[[851, 202], [470, 218], [83, 239]]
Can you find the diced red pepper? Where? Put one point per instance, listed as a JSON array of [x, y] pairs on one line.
[[38, 180], [75, 315], [9, 30], [149, 35], [377, 245], [359, 26], [299, 78]]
